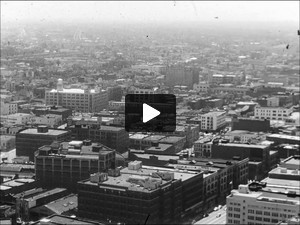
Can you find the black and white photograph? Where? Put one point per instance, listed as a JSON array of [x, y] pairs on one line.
[[150, 112]]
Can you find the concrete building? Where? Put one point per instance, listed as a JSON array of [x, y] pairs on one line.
[[283, 139], [181, 75], [241, 136], [62, 165], [213, 121], [202, 87], [8, 108], [131, 194], [7, 142], [29, 140], [17, 118], [272, 113], [256, 204], [49, 120], [82, 100]]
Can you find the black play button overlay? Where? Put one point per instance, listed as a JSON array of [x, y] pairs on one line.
[[150, 113]]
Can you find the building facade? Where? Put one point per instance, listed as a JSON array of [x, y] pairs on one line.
[[260, 207], [213, 121], [82, 100], [29, 140], [272, 113], [65, 164]]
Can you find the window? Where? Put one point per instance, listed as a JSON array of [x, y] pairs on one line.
[[275, 214], [267, 213], [258, 218], [258, 212], [250, 211], [267, 219], [236, 216], [251, 217]]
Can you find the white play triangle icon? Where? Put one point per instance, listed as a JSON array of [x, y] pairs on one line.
[[149, 113]]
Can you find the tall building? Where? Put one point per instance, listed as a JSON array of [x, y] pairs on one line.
[[181, 75], [82, 100], [213, 121], [276, 199], [114, 93], [132, 194], [29, 140], [62, 165]]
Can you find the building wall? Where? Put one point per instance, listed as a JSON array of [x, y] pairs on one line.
[[82, 102], [272, 113], [163, 205], [58, 171], [247, 209], [254, 125], [27, 144]]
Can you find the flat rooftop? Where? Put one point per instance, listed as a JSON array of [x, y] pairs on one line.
[[282, 184], [72, 91], [171, 139], [63, 204], [154, 137], [111, 128], [138, 136], [17, 182], [46, 193], [284, 136], [50, 132], [242, 145], [215, 113], [161, 147], [120, 183], [160, 157]]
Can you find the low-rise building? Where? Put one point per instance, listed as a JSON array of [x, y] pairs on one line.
[[272, 113]]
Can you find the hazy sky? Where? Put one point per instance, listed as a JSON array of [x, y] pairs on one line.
[[155, 11]]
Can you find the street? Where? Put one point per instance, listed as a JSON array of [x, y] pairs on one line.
[[213, 219]]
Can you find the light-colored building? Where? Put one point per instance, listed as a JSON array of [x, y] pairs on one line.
[[7, 142], [82, 100], [201, 87], [51, 120], [8, 108], [116, 105], [268, 206], [272, 113], [17, 118], [242, 136], [213, 121]]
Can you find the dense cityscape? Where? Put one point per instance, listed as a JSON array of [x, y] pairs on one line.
[[66, 157]]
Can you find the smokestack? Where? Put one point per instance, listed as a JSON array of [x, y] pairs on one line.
[[60, 85]]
